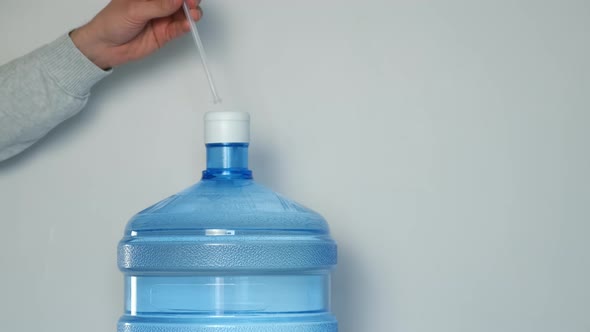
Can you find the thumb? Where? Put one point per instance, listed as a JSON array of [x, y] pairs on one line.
[[147, 10]]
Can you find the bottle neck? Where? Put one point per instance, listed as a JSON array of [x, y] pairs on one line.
[[227, 160]]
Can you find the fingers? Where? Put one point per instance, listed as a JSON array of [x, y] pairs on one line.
[[196, 14], [180, 25], [193, 3], [147, 10], [176, 29]]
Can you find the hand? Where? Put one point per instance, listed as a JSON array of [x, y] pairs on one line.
[[127, 30]]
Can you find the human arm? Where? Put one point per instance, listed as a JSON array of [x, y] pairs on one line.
[[51, 84]]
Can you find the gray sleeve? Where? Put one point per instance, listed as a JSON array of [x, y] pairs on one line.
[[40, 90]]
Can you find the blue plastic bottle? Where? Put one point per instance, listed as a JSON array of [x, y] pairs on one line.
[[227, 254]]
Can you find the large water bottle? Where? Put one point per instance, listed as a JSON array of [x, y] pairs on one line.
[[227, 254]]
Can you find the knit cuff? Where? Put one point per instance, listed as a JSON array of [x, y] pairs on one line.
[[70, 69]]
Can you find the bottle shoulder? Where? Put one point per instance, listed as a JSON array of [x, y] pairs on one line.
[[228, 205]]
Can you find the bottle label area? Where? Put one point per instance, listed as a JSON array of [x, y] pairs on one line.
[[227, 295]]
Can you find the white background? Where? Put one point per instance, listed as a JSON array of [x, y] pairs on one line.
[[446, 142]]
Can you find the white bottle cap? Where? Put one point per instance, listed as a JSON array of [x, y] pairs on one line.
[[227, 127]]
